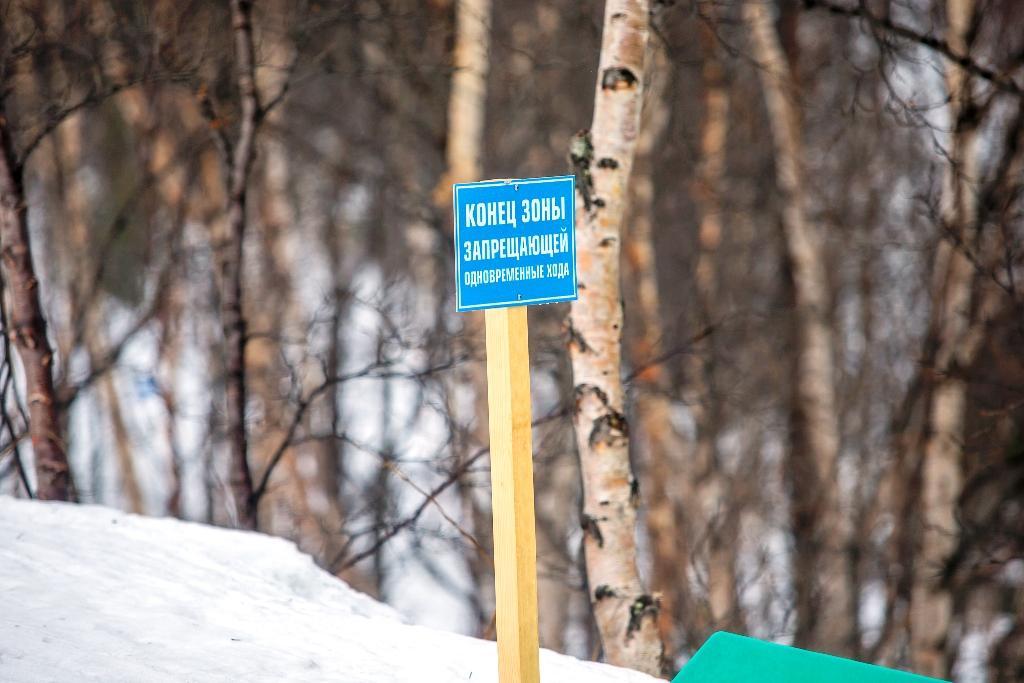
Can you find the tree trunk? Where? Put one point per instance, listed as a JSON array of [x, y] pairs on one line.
[[27, 327], [464, 152], [665, 482], [274, 317], [122, 440], [168, 172], [167, 364], [942, 467], [284, 508], [826, 621], [466, 103], [232, 319], [713, 512], [626, 615]]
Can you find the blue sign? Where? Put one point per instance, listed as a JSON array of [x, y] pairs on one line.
[[515, 242]]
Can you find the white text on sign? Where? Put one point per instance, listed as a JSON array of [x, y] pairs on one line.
[[483, 214], [515, 247], [472, 278]]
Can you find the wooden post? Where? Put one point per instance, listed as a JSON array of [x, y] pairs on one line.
[[515, 542]]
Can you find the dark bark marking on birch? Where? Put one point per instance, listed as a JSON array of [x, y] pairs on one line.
[[573, 337], [590, 526], [581, 154], [609, 428], [643, 606], [581, 390], [634, 494], [618, 78]]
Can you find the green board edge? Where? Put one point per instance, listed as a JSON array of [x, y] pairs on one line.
[[729, 658]]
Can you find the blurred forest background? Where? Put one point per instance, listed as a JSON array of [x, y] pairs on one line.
[[228, 297]]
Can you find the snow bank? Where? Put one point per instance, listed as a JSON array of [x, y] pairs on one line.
[[92, 594]]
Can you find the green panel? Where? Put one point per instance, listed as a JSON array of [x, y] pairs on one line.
[[728, 658]]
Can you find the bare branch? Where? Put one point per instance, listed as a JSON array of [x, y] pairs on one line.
[[372, 370], [1001, 80]]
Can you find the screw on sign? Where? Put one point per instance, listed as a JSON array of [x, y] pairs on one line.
[[515, 245], [728, 658]]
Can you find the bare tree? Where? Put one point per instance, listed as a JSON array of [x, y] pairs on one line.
[[825, 609], [953, 284], [603, 158], [464, 156], [714, 512], [833, 226], [468, 95], [238, 158], [28, 328]]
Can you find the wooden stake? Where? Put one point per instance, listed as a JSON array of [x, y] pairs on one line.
[[515, 542]]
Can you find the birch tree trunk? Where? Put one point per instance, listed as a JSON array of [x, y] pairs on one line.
[[466, 109], [626, 615], [942, 468], [27, 327], [232, 319], [466, 103], [825, 620], [464, 151]]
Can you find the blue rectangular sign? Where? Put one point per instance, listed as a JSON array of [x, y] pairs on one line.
[[515, 242]]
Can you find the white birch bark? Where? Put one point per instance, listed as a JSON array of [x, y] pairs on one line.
[[942, 468], [830, 625], [626, 615]]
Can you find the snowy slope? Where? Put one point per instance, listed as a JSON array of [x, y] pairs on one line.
[[91, 594]]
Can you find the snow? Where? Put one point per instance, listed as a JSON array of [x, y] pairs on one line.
[[88, 593]]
